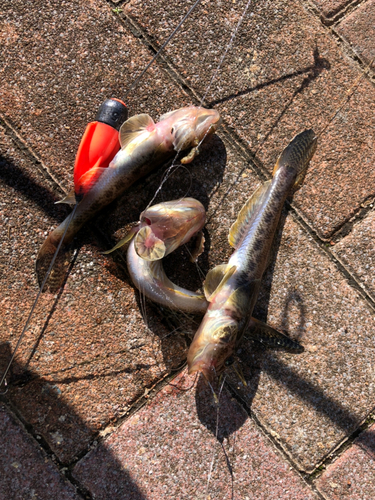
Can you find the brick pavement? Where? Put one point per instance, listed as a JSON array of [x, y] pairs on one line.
[[83, 416]]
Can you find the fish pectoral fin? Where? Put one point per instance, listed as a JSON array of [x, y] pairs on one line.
[[70, 199], [216, 279], [124, 240], [133, 127], [268, 336], [190, 157], [246, 213], [148, 246], [198, 248]]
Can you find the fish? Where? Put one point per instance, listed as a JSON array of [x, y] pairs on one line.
[[232, 289], [169, 225], [144, 146]]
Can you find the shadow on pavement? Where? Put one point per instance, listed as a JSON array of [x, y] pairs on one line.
[[126, 488]]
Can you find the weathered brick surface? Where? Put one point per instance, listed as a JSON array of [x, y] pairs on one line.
[[310, 401], [26, 472], [351, 476], [169, 453], [356, 251], [283, 73], [329, 8], [358, 29]]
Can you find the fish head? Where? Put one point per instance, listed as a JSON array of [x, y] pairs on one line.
[[166, 226], [209, 357], [189, 126]]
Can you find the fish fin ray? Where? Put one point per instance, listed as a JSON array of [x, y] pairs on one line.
[[70, 199], [123, 241], [133, 127], [239, 227], [216, 279], [269, 337]]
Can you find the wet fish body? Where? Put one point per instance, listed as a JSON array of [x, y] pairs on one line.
[[144, 146], [162, 229], [232, 289]]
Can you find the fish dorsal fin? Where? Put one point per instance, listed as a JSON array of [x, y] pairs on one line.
[[148, 246], [133, 127], [216, 279], [124, 240], [247, 212], [70, 199]]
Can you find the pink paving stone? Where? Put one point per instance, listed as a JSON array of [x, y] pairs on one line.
[[329, 8], [356, 251], [167, 450], [358, 29], [26, 471], [352, 475], [283, 73]]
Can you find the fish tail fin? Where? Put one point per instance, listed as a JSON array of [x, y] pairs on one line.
[[43, 262], [297, 155]]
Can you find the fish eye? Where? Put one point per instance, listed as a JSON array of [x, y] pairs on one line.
[[172, 130]]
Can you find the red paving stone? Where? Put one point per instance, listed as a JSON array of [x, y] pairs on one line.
[[358, 29], [168, 448], [351, 476], [356, 251], [284, 73], [95, 355], [329, 8], [26, 471]]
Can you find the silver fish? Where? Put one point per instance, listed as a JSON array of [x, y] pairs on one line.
[[144, 146], [232, 289], [169, 225]]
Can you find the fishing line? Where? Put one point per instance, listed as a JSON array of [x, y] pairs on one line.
[[38, 295], [216, 398], [134, 84], [229, 45], [346, 99], [132, 87]]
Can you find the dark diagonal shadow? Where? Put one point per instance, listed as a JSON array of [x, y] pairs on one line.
[[120, 485], [20, 181], [312, 72]]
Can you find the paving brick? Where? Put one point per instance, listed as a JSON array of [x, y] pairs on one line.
[[356, 252], [26, 472], [330, 8], [314, 400], [169, 450], [359, 30], [61, 64], [284, 73], [351, 476], [87, 351]]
